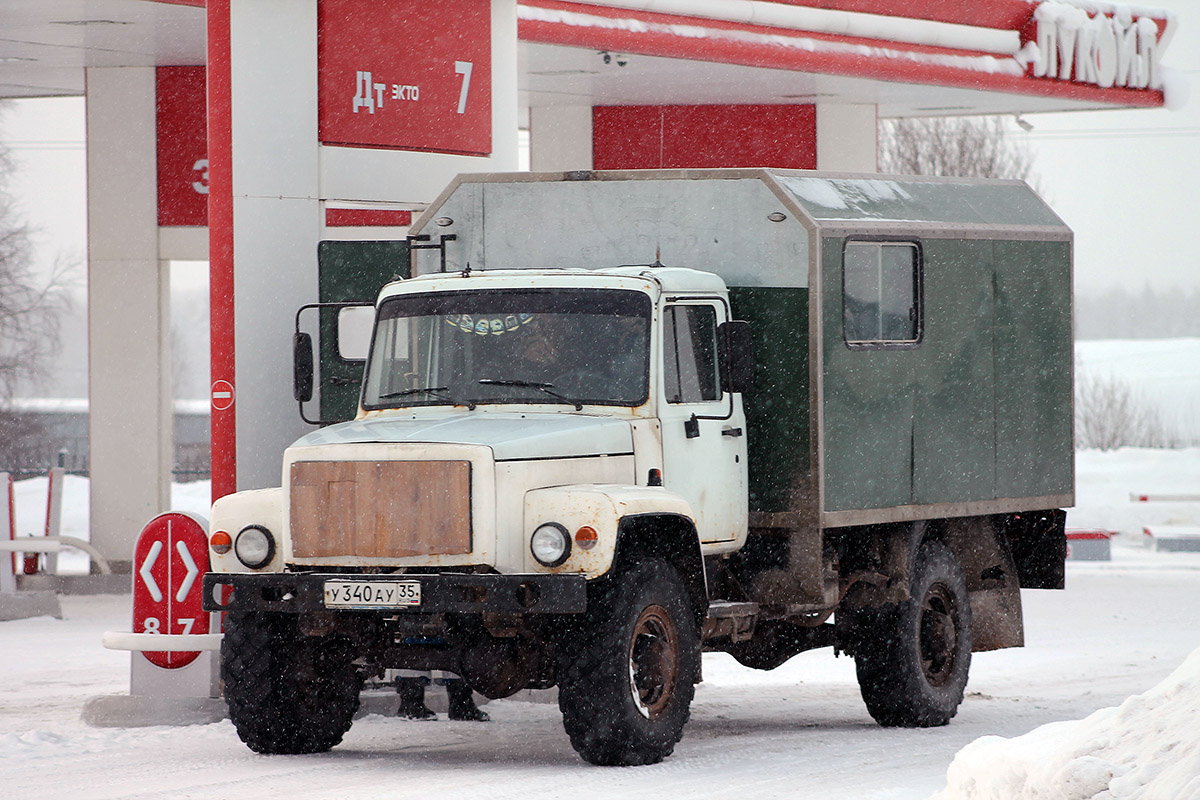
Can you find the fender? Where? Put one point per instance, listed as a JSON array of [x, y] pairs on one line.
[[601, 507], [235, 511]]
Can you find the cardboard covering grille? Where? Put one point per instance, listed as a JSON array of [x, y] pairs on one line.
[[380, 509]]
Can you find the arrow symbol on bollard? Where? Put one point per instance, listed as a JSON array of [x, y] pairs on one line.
[[192, 572], [147, 565]]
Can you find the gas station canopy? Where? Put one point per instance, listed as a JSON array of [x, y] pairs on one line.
[[906, 57]]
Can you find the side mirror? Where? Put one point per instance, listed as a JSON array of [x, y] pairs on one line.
[[737, 358], [302, 367]]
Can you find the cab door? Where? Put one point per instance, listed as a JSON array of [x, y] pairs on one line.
[[703, 427]]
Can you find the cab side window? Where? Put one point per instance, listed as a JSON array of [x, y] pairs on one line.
[[690, 373]]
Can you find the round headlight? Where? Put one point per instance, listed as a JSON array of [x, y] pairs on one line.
[[550, 544], [254, 546]]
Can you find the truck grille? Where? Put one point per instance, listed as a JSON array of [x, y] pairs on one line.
[[380, 509]]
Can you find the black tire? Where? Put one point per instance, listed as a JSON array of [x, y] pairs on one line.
[[912, 659], [627, 675], [287, 693]]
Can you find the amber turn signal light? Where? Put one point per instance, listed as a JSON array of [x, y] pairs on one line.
[[220, 542], [586, 537]]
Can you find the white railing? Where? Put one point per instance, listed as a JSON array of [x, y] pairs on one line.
[[161, 642], [1134, 497], [55, 544]]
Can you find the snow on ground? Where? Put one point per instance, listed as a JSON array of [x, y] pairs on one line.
[[1120, 628]]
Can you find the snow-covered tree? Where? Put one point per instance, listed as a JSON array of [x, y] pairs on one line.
[[964, 147], [31, 305], [1108, 415]]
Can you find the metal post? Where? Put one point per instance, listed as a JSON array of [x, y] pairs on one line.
[[8, 564]]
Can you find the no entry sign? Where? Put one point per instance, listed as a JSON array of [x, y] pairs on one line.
[[222, 395], [169, 560]]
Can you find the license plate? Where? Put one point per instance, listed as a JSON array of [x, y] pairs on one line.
[[372, 594]]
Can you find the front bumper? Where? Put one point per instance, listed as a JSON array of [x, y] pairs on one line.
[[442, 593]]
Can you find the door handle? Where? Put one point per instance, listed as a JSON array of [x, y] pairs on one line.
[[731, 431]]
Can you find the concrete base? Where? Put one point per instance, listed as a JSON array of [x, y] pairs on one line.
[[78, 584], [200, 678], [1088, 549], [1177, 545], [1173, 538], [139, 711], [26, 604]]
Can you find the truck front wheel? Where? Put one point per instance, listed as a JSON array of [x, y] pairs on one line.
[[912, 658], [286, 692], [627, 674]]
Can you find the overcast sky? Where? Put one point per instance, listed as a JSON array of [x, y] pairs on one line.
[[1127, 182]]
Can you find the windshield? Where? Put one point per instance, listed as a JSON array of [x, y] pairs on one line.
[[511, 346]]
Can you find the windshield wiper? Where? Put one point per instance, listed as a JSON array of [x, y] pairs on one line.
[[547, 388], [440, 392]]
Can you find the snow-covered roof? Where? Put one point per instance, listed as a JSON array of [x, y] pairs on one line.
[[638, 277], [750, 226], [902, 199]]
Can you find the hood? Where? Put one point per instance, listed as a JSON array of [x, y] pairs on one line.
[[512, 437]]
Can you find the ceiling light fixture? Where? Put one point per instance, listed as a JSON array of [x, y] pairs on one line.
[[89, 22]]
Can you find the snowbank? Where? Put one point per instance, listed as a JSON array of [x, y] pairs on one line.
[[1148, 747]]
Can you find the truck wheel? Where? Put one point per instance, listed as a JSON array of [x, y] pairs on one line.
[[912, 658], [626, 677], [287, 693]]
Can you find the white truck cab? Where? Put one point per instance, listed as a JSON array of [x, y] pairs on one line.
[[565, 397]]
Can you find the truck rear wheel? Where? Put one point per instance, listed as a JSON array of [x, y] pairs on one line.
[[627, 675], [912, 658], [287, 693]]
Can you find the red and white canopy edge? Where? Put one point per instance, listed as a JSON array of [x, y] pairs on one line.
[[1077, 49]]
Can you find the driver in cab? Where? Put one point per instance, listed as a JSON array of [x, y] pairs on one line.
[[547, 351]]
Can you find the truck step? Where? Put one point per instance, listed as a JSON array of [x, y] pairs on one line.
[[724, 609], [730, 620]]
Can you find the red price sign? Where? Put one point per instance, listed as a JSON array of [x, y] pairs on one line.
[[169, 560], [181, 115], [405, 74]]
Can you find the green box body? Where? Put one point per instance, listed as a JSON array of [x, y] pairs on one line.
[[976, 418]]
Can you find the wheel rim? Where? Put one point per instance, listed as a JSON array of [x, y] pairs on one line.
[[653, 661], [938, 635]]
